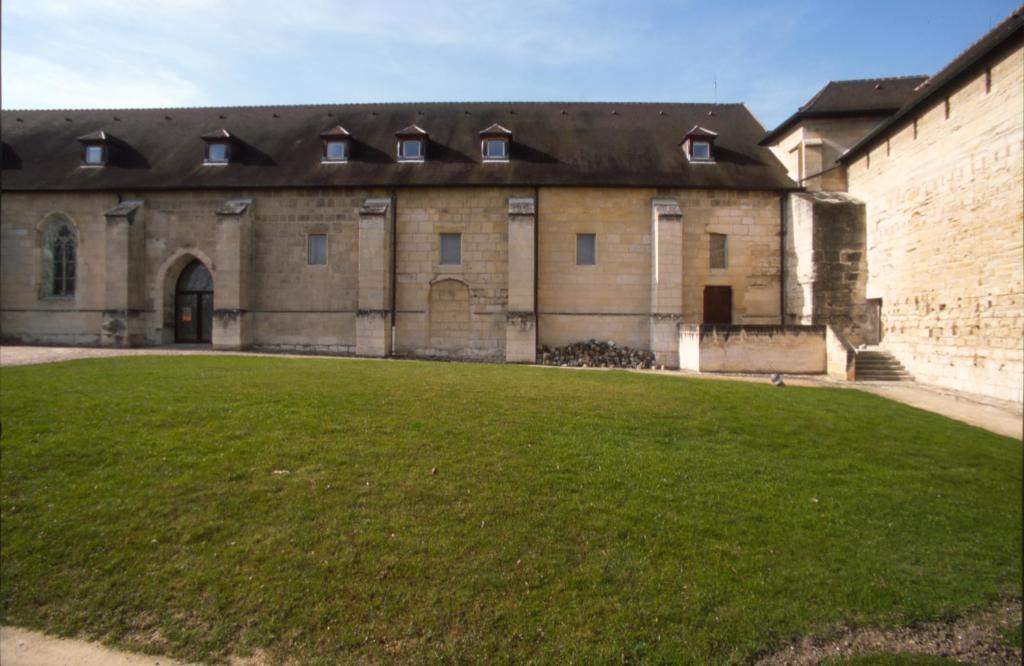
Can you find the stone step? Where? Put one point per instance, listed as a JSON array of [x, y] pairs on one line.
[[880, 366]]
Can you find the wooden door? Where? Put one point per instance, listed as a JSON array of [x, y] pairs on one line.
[[718, 305]]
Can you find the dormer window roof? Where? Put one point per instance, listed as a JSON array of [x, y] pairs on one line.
[[218, 147], [337, 145], [412, 144], [698, 144], [95, 148], [494, 143]]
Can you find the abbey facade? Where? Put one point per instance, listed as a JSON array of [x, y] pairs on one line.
[[888, 210]]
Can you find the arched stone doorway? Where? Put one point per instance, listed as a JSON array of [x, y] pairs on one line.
[[449, 317], [193, 304]]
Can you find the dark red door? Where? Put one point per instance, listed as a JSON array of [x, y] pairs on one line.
[[718, 305]]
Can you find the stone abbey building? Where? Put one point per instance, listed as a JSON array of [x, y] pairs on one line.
[[888, 209]]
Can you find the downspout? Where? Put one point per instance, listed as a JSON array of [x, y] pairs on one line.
[[783, 195], [394, 267], [536, 270]]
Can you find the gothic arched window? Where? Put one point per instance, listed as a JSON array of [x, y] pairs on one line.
[[60, 252]]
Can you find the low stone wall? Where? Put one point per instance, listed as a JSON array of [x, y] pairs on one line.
[[842, 357], [783, 349]]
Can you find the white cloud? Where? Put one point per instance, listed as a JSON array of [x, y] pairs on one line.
[[32, 82]]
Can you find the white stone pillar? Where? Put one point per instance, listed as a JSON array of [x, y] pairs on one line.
[[666, 280], [373, 317], [521, 319], [123, 325], [232, 276]]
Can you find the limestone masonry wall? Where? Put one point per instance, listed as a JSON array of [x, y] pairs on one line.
[[782, 349], [944, 231], [267, 295]]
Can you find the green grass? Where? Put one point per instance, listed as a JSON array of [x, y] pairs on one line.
[[574, 516]]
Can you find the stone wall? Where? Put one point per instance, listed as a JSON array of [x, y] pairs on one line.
[[809, 151], [26, 314], [423, 284], [763, 349], [651, 270], [612, 300], [826, 264], [944, 232]]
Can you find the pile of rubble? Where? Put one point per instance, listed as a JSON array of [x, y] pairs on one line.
[[594, 354]]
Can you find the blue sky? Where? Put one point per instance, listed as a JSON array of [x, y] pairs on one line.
[[770, 55]]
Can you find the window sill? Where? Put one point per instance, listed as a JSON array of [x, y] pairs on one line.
[[495, 160], [205, 163], [410, 160], [333, 161]]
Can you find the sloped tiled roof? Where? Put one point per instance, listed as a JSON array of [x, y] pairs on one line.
[[1009, 32], [856, 97], [280, 146]]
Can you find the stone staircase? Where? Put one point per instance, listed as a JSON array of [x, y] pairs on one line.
[[875, 365]]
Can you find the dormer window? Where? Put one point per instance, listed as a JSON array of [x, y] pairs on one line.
[[412, 144], [94, 149], [494, 143], [698, 145], [336, 145], [218, 147], [94, 155]]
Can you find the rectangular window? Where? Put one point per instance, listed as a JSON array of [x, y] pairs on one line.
[[451, 249], [336, 151], [701, 150], [94, 154], [317, 250], [586, 249], [410, 149], [496, 149], [217, 153], [719, 251]]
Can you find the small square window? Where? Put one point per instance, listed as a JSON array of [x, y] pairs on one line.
[[496, 149], [719, 251], [586, 249], [217, 153], [317, 252], [94, 154], [700, 150], [336, 151], [410, 149], [451, 249]]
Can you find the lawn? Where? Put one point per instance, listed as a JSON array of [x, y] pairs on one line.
[[340, 510]]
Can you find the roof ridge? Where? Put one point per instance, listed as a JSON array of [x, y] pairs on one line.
[[330, 105], [880, 78]]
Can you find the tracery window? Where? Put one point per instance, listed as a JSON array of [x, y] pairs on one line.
[[60, 258]]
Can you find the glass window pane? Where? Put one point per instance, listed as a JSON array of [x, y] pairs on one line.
[[93, 154], [701, 150], [336, 150], [719, 251], [451, 249], [494, 148], [317, 249], [586, 249], [218, 152], [411, 148]]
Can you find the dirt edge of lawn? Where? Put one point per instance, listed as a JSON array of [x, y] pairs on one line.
[[973, 638]]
